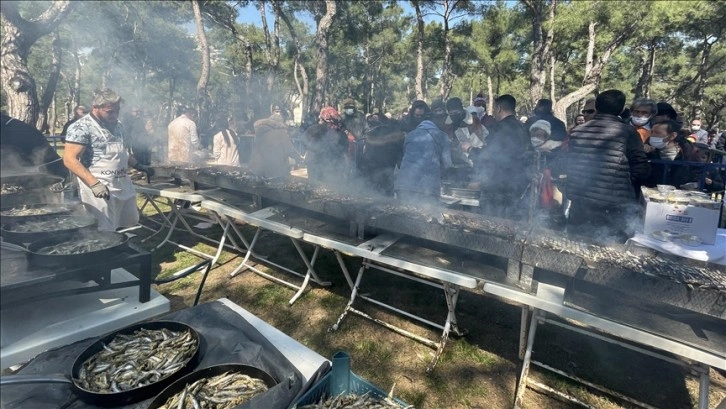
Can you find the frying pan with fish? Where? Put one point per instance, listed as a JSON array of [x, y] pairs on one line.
[[14, 214], [114, 398], [38, 251], [210, 372], [28, 231]]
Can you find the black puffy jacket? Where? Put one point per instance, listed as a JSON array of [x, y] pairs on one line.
[[604, 160]]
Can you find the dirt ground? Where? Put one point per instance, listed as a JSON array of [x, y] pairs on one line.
[[478, 370]]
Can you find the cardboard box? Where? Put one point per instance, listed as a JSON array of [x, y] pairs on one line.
[[681, 213]]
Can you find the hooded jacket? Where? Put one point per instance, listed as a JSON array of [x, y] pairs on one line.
[[426, 154], [604, 160]]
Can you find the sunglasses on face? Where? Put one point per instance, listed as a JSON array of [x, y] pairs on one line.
[[588, 111]]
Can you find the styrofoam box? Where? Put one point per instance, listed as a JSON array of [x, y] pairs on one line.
[[682, 219]]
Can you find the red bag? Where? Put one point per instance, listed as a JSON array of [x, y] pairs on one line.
[[546, 190]]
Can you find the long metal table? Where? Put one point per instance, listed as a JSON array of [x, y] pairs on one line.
[[550, 301], [181, 201], [332, 236], [260, 219]]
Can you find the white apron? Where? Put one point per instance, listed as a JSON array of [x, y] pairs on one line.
[[111, 170]]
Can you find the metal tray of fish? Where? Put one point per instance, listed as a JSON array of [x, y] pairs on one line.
[[75, 249], [20, 213], [35, 229], [217, 387]]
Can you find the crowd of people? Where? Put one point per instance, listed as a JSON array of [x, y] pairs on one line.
[[584, 178], [581, 178]]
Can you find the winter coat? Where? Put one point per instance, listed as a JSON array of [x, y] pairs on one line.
[[325, 150], [272, 149], [604, 160], [381, 151], [426, 155], [501, 165]]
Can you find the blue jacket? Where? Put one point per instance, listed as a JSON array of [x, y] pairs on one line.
[[426, 154]]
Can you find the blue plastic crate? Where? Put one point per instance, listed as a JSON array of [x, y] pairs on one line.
[[340, 380], [357, 385]]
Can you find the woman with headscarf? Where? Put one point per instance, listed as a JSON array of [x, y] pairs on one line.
[[326, 146]]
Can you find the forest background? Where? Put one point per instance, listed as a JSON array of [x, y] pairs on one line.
[[242, 57]]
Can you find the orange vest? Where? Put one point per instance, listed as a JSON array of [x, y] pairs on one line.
[[644, 134]]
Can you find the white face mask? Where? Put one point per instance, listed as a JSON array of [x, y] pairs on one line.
[[537, 142], [639, 120], [656, 142], [349, 111], [695, 127]]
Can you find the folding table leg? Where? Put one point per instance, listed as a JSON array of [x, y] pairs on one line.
[[344, 268], [166, 219], [451, 294], [522, 384], [244, 265], [523, 331], [703, 385], [353, 295]]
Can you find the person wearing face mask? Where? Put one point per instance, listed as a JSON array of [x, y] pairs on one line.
[[353, 120], [547, 199], [701, 134], [642, 112], [439, 115], [605, 162], [419, 110], [457, 119], [95, 153], [662, 146]]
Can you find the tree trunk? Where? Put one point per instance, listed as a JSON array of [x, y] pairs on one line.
[[272, 48], [298, 63], [321, 40], [446, 75], [490, 91], [553, 63], [50, 87], [542, 46], [419, 51], [19, 35], [642, 88], [202, 93], [594, 68], [76, 90], [52, 115], [697, 109]]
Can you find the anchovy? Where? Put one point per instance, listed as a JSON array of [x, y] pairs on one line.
[[353, 400], [130, 361], [224, 391]]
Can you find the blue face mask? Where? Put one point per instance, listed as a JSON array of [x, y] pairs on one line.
[[656, 142]]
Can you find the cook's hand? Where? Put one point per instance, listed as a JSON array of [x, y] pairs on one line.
[[707, 181], [146, 169], [57, 187], [100, 190]]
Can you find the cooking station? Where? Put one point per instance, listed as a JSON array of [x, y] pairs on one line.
[[674, 304], [52, 298]]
